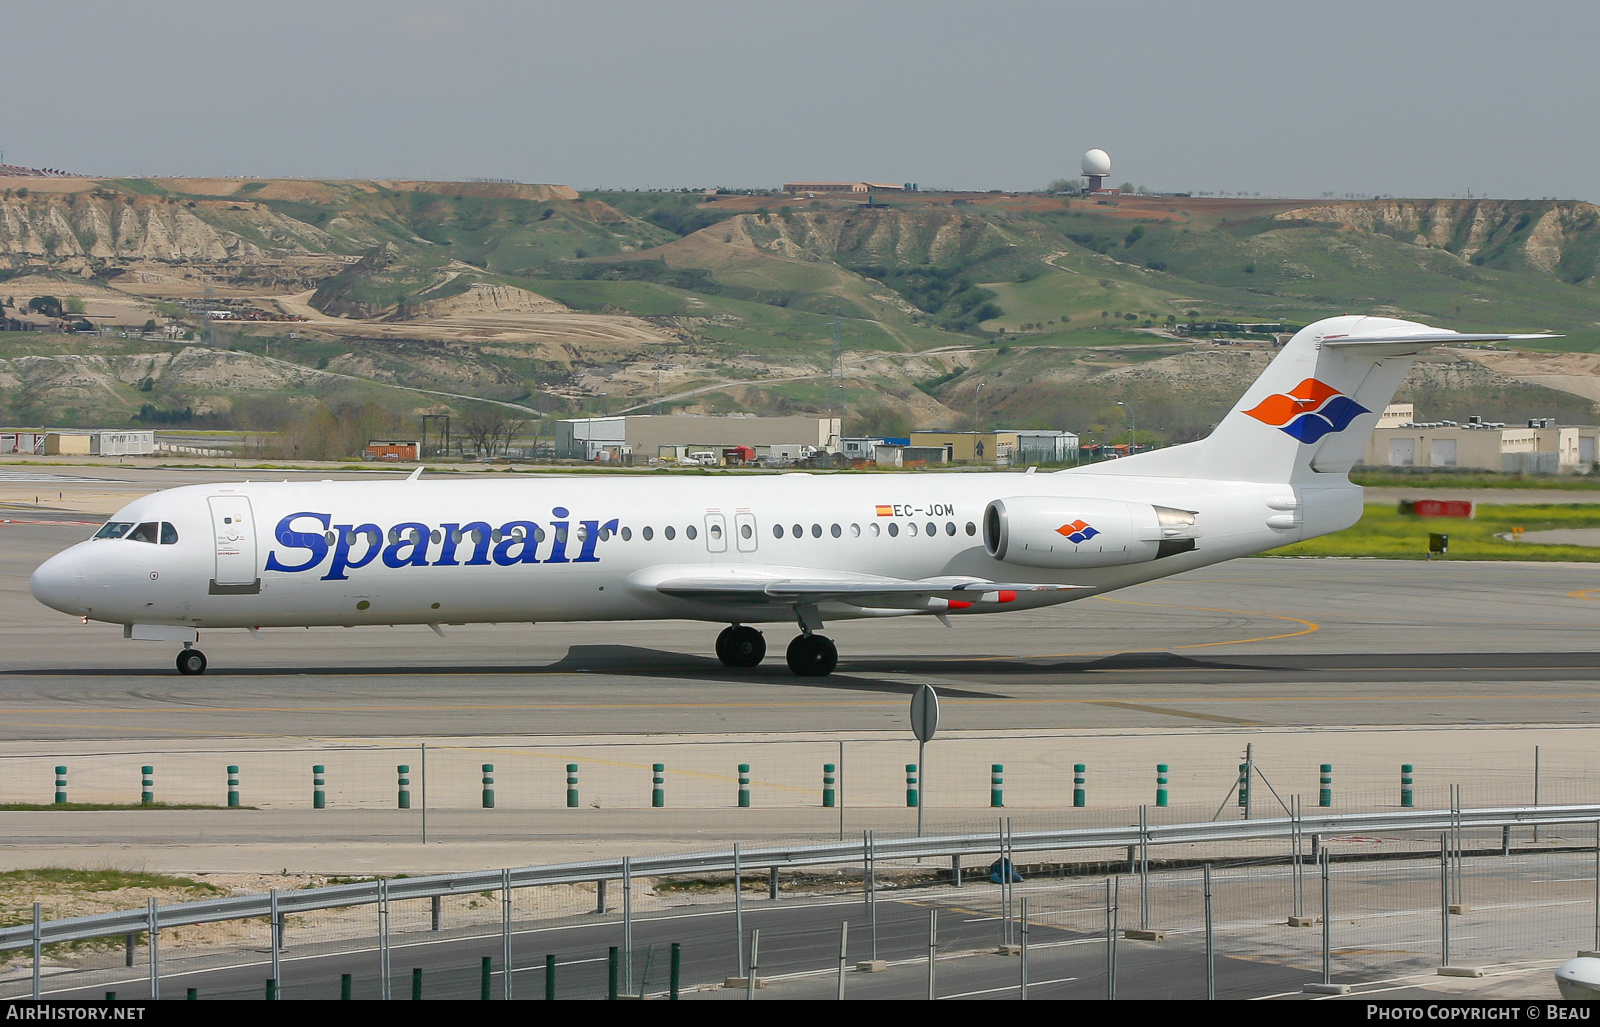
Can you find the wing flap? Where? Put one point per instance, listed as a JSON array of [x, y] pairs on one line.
[[796, 591]]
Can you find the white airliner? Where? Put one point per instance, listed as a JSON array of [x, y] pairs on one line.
[[749, 549]]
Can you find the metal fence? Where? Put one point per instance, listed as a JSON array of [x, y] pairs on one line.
[[965, 771], [1149, 909]]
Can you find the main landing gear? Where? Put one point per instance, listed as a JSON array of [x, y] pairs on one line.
[[191, 661], [810, 655], [741, 646]]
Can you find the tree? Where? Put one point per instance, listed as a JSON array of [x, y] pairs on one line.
[[490, 430], [49, 306], [323, 434], [881, 421]]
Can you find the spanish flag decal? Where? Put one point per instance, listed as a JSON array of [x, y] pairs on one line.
[[885, 511]]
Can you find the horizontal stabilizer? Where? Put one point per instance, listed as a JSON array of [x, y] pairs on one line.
[[1424, 339]]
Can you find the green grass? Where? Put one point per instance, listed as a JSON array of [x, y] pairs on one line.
[[1436, 479], [64, 878], [1097, 335], [644, 299], [1081, 298], [750, 327], [1385, 533], [19, 889], [678, 213], [47, 344], [73, 807]]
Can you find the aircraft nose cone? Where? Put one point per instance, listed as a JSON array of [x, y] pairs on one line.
[[59, 583]]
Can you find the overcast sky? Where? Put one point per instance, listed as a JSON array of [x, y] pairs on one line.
[[1285, 98]]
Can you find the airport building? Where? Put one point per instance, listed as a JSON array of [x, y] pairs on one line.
[[1046, 447], [842, 187], [106, 442], [1027, 446], [1538, 447], [895, 453], [669, 436], [970, 447]]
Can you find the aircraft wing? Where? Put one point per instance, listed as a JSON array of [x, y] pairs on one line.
[[857, 591]]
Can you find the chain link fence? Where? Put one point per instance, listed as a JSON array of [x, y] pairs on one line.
[[1229, 916]]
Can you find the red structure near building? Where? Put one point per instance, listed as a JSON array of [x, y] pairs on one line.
[[391, 451], [1436, 507]]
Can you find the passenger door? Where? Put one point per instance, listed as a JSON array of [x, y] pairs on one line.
[[233, 526]]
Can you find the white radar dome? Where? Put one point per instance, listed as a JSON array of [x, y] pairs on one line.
[[1579, 978], [1097, 162]]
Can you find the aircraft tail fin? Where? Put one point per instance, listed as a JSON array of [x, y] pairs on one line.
[[1312, 410]]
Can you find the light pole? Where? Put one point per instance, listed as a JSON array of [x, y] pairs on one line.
[[1133, 431]]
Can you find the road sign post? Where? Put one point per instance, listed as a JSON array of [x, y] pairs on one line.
[[924, 722]]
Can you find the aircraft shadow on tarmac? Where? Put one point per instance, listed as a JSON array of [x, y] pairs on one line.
[[621, 660], [862, 673]]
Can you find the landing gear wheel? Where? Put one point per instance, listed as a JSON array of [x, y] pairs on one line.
[[191, 661], [740, 646], [812, 656]]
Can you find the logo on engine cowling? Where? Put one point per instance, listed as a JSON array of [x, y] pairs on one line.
[[1309, 411], [1078, 531]]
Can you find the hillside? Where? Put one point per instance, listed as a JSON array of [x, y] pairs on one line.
[[952, 309]]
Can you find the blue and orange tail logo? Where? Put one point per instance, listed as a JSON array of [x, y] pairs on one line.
[[1309, 411], [1078, 531]]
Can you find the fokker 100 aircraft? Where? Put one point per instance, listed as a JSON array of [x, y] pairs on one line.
[[743, 550]]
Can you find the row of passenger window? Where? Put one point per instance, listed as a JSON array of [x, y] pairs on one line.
[[932, 528], [150, 531], [799, 530]]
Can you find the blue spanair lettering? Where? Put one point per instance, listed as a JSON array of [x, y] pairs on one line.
[[341, 550], [558, 547], [527, 539], [591, 538], [348, 547], [311, 541], [413, 536], [477, 532]]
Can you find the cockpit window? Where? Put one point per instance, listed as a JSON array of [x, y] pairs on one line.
[[146, 532], [113, 529], [169, 534]]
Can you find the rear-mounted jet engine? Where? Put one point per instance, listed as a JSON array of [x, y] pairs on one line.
[[1042, 531]]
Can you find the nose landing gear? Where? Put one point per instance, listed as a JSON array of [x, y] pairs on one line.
[[191, 661], [741, 646]]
